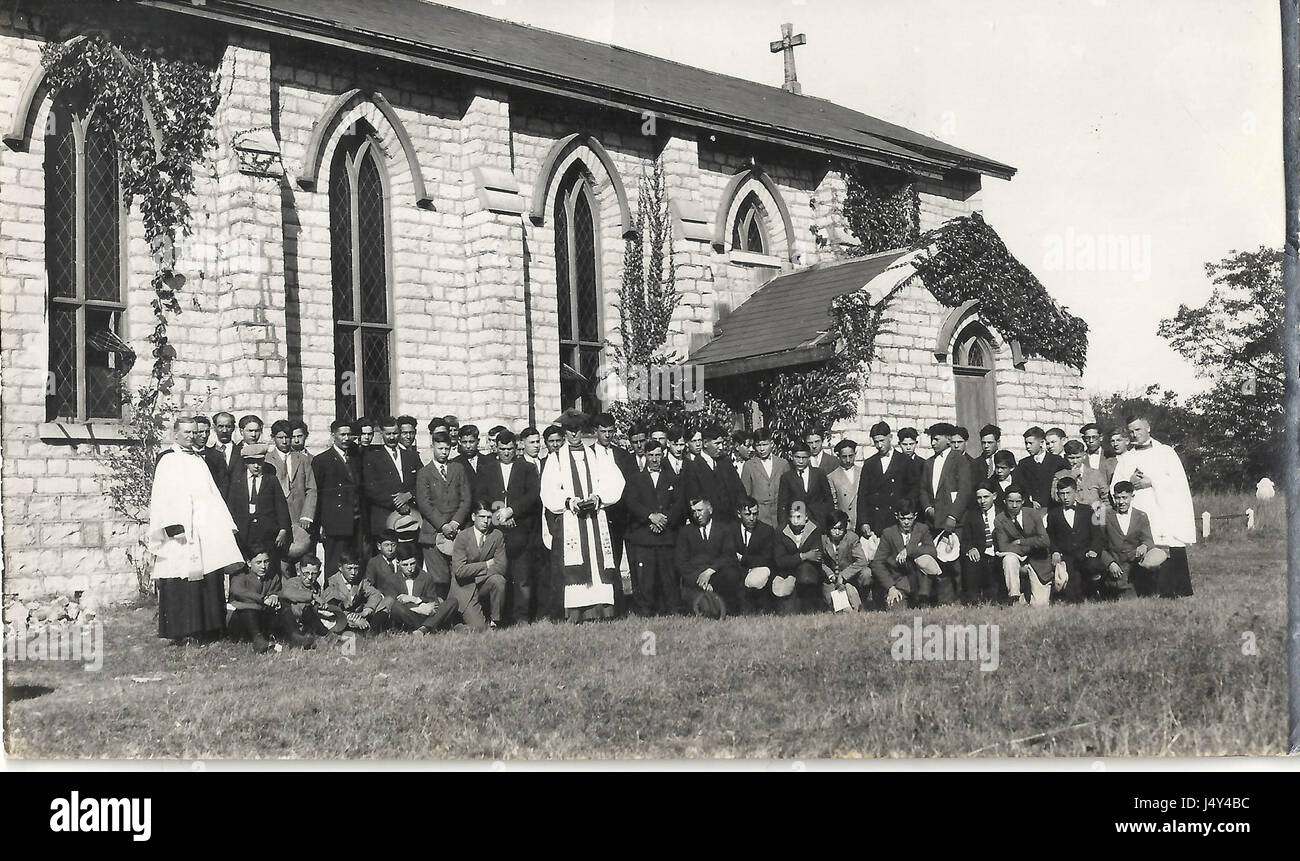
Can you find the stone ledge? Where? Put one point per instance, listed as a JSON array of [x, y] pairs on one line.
[[749, 258], [76, 433]]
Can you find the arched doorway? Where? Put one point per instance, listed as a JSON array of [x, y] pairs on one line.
[[976, 381]]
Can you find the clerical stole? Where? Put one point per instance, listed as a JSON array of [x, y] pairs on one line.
[[588, 553]]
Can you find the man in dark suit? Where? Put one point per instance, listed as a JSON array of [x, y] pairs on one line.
[[981, 568], [990, 444], [257, 505], [1035, 471], [1076, 541], [223, 428], [655, 503], [706, 564], [389, 472], [709, 475], [338, 496], [1022, 543], [806, 484], [885, 480], [411, 598], [443, 494], [211, 456], [513, 482], [945, 482], [616, 514], [818, 455], [478, 566], [468, 453], [907, 442], [958, 441], [1130, 557], [756, 552]]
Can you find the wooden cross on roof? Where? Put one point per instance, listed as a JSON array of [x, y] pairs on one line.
[[787, 43]]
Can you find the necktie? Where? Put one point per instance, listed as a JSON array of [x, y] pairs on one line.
[[704, 532], [442, 471]]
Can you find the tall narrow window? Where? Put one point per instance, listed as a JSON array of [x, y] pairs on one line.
[[83, 258], [363, 319], [577, 272], [749, 232]]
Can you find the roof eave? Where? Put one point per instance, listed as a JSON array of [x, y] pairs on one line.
[[345, 38]]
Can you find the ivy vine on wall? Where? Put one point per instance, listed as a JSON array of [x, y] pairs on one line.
[[965, 259], [882, 211]]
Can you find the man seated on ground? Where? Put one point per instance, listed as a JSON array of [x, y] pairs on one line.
[[755, 545], [981, 567], [1076, 543], [410, 596], [350, 601], [1022, 543], [906, 553], [798, 556], [843, 566], [478, 571], [303, 591], [706, 564], [255, 611], [1130, 555], [383, 563]]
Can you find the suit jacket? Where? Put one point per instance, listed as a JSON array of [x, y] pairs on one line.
[[523, 496], [1121, 546], [270, 514], [885, 570], [442, 501], [755, 482], [248, 591], [817, 497], [217, 466], [719, 484], [1029, 540], [382, 480], [383, 575], [760, 550], [826, 461], [472, 467], [693, 554], [1091, 485], [983, 466], [300, 489], [785, 552], [844, 491], [1076, 540], [644, 498], [845, 559], [472, 563], [955, 494], [1035, 478], [362, 597], [971, 533], [880, 489], [338, 492]]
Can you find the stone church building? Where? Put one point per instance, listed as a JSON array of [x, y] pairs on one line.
[[414, 209]]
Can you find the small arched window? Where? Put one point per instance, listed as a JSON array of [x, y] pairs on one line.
[[363, 318], [749, 232], [83, 259], [578, 292]]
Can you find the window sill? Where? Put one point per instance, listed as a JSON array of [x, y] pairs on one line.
[[76, 433], [749, 258]]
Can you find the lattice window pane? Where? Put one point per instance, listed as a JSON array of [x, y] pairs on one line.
[[103, 369], [754, 238], [564, 289], [346, 380], [370, 241], [103, 214], [61, 391], [61, 204], [736, 241], [584, 270], [590, 369], [975, 357], [374, 371], [341, 237]]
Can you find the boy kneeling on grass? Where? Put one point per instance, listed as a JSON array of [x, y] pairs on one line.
[[843, 565], [255, 607], [1130, 555]]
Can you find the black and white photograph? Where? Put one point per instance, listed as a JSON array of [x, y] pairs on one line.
[[788, 381]]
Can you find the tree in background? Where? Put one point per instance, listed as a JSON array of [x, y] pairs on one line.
[[1235, 340]]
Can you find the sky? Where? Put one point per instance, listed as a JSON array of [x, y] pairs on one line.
[[1146, 133]]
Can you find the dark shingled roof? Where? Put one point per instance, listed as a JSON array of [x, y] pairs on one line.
[[532, 57], [784, 322]]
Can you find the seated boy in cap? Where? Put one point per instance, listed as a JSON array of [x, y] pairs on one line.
[[798, 561], [255, 609], [1129, 554], [411, 597], [349, 598], [843, 565], [906, 554]]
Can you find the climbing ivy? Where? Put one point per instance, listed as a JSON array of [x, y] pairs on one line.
[[882, 211]]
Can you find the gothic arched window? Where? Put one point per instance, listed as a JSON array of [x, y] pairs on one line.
[[363, 317], [749, 232], [83, 259], [577, 273]]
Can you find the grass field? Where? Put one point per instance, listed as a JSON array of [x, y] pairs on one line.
[[1148, 678]]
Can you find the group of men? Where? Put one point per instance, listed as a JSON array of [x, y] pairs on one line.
[[505, 528]]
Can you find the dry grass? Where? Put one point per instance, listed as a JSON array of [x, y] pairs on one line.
[[1149, 677]]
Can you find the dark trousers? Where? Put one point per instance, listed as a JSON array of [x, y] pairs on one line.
[[726, 582], [258, 625], [655, 589], [982, 580], [1084, 580], [520, 569], [939, 590], [439, 566], [334, 545]]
